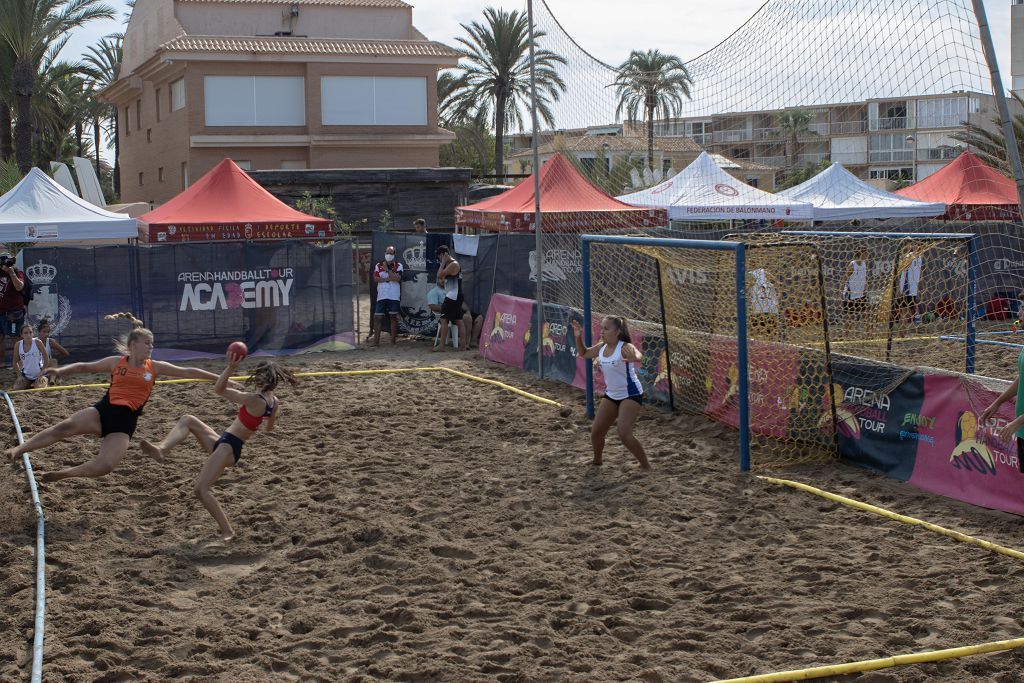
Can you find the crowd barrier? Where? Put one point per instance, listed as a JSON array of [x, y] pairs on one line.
[[920, 427], [280, 297]]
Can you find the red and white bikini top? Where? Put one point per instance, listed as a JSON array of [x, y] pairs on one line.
[[253, 422]]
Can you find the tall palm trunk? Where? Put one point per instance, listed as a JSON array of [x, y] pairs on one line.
[[78, 138], [117, 156], [96, 141], [23, 80], [6, 131], [499, 136], [649, 105]]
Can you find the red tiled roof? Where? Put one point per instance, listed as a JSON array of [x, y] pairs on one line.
[[316, 46]]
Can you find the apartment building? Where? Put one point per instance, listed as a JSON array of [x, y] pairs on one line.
[[905, 138], [317, 84], [1017, 47]]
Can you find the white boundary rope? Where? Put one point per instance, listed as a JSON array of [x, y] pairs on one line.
[[40, 622]]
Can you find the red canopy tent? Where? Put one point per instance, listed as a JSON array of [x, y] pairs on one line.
[[227, 204], [970, 189], [568, 203]]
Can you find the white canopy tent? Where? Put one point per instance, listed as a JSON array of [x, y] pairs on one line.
[[703, 191], [838, 195], [38, 209]]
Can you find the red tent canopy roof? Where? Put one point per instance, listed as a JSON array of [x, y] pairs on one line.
[[563, 190], [966, 182], [227, 196]]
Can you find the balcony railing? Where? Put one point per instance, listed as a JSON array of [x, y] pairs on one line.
[[777, 133], [943, 121], [890, 155], [812, 158], [850, 158], [895, 123], [777, 162], [942, 153], [847, 127], [731, 135]]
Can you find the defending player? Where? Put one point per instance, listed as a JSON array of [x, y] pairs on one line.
[[115, 417], [255, 407], [623, 395]]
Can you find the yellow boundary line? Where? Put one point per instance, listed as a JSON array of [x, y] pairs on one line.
[[987, 545], [883, 663], [327, 373], [896, 660]]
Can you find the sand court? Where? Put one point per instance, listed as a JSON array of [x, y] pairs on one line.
[[426, 527]]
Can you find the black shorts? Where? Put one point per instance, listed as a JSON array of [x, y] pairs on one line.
[[115, 419], [451, 309], [233, 441], [639, 399]]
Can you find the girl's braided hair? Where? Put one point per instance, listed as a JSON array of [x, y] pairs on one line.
[[137, 332], [267, 375]]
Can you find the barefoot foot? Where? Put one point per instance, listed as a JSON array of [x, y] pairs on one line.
[[49, 477], [151, 450], [12, 454]]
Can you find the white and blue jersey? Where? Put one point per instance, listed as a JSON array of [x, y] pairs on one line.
[[620, 379]]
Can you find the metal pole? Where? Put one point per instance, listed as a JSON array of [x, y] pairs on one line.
[[539, 248], [1012, 151], [742, 361], [664, 335], [587, 323], [972, 284]]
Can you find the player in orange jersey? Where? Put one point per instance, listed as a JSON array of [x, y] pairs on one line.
[[132, 376]]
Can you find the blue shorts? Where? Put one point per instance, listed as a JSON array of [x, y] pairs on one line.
[[386, 307], [233, 441], [11, 322]]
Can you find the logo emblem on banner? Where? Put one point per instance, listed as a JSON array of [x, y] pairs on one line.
[[726, 189], [46, 300]]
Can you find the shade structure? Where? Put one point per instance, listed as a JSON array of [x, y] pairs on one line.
[[38, 209], [703, 191], [568, 203], [970, 189], [838, 195], [226, 204]]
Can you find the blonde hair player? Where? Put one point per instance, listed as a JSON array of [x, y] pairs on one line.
[[225, 451], [114, 418], [30, 360], [623, 395]]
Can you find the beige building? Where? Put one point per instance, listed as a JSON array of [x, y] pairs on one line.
[[1016, 47], [273, 85]]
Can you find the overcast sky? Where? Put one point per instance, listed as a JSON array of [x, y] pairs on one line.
[[608, 29]]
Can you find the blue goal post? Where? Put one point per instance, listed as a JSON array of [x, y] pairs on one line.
[[739, 250]]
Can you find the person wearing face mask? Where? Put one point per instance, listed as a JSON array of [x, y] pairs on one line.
[[388, 276]]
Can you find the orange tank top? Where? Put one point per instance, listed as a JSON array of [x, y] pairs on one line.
[[131, 386]]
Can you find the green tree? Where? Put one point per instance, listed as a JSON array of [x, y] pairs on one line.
[[800, 174], [654, 82], [990, 145], [102, 67], [473, 148], [792, 123], [495, 80], [32, 29]]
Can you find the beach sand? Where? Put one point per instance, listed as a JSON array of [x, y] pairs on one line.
[[424, 527]]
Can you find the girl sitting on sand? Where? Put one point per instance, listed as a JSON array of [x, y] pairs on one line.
[[114, 418], [54, 350], [623, 395], [255, 407], [30, 359]]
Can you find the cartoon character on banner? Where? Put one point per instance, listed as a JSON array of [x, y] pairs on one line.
[[46, 299], [846, 421], [969, 453]]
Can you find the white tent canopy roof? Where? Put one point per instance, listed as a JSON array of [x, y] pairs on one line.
[[704, 192], [838, 195], [38, 209]]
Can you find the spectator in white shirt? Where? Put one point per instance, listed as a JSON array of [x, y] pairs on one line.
[[764, 305], [907, 287], [855, 293], [388, 276]]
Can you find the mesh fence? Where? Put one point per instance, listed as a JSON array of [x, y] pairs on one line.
[[682, 309]]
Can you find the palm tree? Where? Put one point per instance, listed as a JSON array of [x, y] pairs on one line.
[[990, 145], [31, 29], [793, 122], [655, 81], [102, 66], [496, 79], [6, 96]]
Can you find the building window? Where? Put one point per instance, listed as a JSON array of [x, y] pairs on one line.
[[944, 112], [157, 93], [160, 174], [752, 182], [128, 120], [138, 114], [149, 135], [178, 94], [373, 101], [666, 165], [891, 174], [184, 175], [140, 179], [255, 100], [890, 147], [937, 147], [243, 164]]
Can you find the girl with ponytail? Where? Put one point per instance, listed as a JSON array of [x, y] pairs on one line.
[[114, 418], [225, 450]]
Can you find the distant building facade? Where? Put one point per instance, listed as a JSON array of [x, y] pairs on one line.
[[274, 85], [1017, 47]]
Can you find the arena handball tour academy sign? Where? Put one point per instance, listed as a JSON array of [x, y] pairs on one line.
[[262, 288]]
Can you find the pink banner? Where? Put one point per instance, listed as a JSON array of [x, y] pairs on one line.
[[957, 457], [503, 339], [772, 372]]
